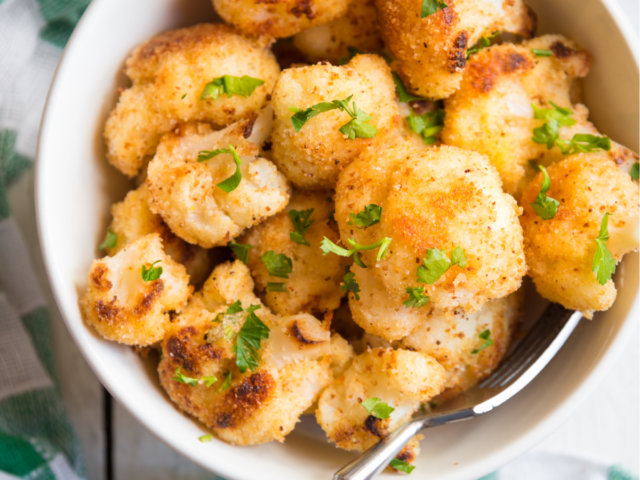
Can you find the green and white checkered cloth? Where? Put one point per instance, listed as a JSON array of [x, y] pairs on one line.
[[36, 438]]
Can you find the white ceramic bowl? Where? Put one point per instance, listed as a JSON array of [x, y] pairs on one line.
[[75, 187]]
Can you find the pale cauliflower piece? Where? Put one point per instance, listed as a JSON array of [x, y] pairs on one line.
[[450, 338], [442, 198], [185, 193], [278, 18], [313, 157], [358, 29], [122, 306], [431, 51], [169, 73], [560, 251], [133, 219], [492, 112], [296, 363], [401, 379], [314, 283]]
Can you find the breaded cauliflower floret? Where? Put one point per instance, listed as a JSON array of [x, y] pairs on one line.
[[451, 338], [492, 112], [431, 51], [296, 362], [560, 251], [185, 193], [278, 18], [314, 283], [401, 379], [133, 219], [125, 308], [169, 73], [358, 29], [313, 157], [436, 198]]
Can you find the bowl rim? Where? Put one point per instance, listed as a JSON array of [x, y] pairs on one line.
[[522, 442]]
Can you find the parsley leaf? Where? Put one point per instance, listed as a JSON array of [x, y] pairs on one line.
[[427, 125], [241, 86], [278, 264], [183, 96], [583, 143], [248, 341], [402, 92], [241, 251], [635, 171], [484, 42], [350, 284], [539, 52], [205, 438], [459, 257], [377, 408], [276, 287], [227, 382], [401, 466], [436, 263], [417, 298], [208, 381], [110, 241], [545, 207], [366, 218], [231, 183], [429, 7], [327, 246], [486, 336], [235, 307], [604, 265], [179, 377], [152, 273], [301, 224]]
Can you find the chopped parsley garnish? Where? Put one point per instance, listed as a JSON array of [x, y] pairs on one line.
[[183, 96], [235, 307], [429, 7], [179, 377], [276, 287], [402, 92], [301, 224], [486, 336], [377, 408], [248, 340], [417, 298], [584, 143], [205, 438], [241, 251], [541, 52], [242, 86], [354, 128], [401, 466], [604, 265], [210, 380], [328, 246], [152, 273], [231, 183], [428, 125], [436, 263], [278, 264], [227, 382], [545, 207], [484, 42], [110, 241], [635, 171], [350, 284], [366, 218]]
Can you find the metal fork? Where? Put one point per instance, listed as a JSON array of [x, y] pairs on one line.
[[527, 360]]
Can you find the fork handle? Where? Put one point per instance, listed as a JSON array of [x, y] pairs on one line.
[[371, 463]]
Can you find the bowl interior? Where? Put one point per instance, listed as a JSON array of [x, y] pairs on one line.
[[76, 186]]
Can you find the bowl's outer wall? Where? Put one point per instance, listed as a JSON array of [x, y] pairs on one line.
[[75, 188]]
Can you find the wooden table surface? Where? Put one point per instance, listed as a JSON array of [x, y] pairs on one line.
[[117, 447]]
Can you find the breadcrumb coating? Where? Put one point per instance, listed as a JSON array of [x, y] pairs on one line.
[[431, 52], [296, 363], [313, 157], [492, 111], [450, 338], [124, 308], [358, 29], [399, 378], [442, 198], [185, 193], [560, 251], [314, 283], [278, 18], [169, 73]]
